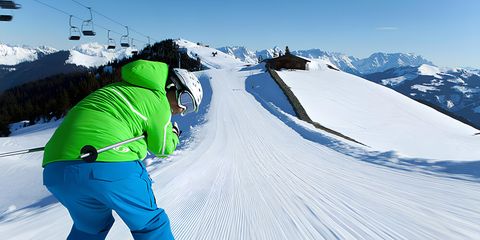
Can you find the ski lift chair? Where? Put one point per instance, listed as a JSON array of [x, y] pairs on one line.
[[6, 18], [9, 5], [74, 34], [124, 40], [134, 48], [87, 26], [147, 49], [74, 31], [111, 42]]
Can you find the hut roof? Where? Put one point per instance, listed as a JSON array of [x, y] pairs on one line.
[[287, 56]]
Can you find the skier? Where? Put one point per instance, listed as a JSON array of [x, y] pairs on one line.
[[142, 103]]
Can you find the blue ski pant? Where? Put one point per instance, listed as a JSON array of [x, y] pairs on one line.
[[90, 191]]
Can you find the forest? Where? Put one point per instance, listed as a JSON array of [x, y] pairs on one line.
[[53, 96]]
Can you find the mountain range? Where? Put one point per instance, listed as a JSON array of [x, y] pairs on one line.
[[11, 55], [22, 64], [377, 62], [44, 66], [454, 90]]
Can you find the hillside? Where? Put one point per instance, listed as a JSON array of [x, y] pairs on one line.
[[43, 67], [380, 117], [248, 169], [25, 64], [455, 90]]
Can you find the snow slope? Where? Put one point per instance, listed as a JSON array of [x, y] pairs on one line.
[[429, 70], [221, 60], [248, 169], [248, 174], [380, 117]]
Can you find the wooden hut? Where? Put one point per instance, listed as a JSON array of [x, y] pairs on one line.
[[287, 61]]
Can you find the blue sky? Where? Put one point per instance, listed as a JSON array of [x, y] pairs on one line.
[[445, 31]]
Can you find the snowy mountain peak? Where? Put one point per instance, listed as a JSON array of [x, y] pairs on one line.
[[46, 49], [91, 49], [95, 54], [379, 62], [241, 53], [88, 54], [12, 54]]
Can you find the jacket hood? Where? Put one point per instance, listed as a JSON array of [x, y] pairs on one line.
[[148, 74]]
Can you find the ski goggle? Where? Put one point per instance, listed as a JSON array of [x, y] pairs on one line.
[[186, 101]]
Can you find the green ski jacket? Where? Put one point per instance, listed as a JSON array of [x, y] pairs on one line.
[[137, 105]]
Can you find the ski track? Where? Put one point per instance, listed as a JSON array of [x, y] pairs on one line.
[[252, 177]]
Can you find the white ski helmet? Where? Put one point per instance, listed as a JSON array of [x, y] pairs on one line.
[[189, 90]]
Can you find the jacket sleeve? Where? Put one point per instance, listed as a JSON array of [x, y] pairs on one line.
[[161, 140]]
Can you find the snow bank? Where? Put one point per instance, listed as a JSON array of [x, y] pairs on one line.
[[380, 117]]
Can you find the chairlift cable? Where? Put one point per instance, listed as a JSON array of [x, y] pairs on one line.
[[112, 20], [76, 17], [60, 10]]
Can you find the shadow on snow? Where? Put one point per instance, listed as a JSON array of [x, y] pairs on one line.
[[271, 97]]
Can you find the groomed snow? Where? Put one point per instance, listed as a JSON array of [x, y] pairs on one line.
[[380, 117], [247, 175]]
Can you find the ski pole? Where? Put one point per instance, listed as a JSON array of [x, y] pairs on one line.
[[18, 152], [89, 153]]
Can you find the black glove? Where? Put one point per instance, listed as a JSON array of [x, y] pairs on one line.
[[176, 129]]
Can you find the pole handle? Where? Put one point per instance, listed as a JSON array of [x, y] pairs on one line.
[[90, 154]]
